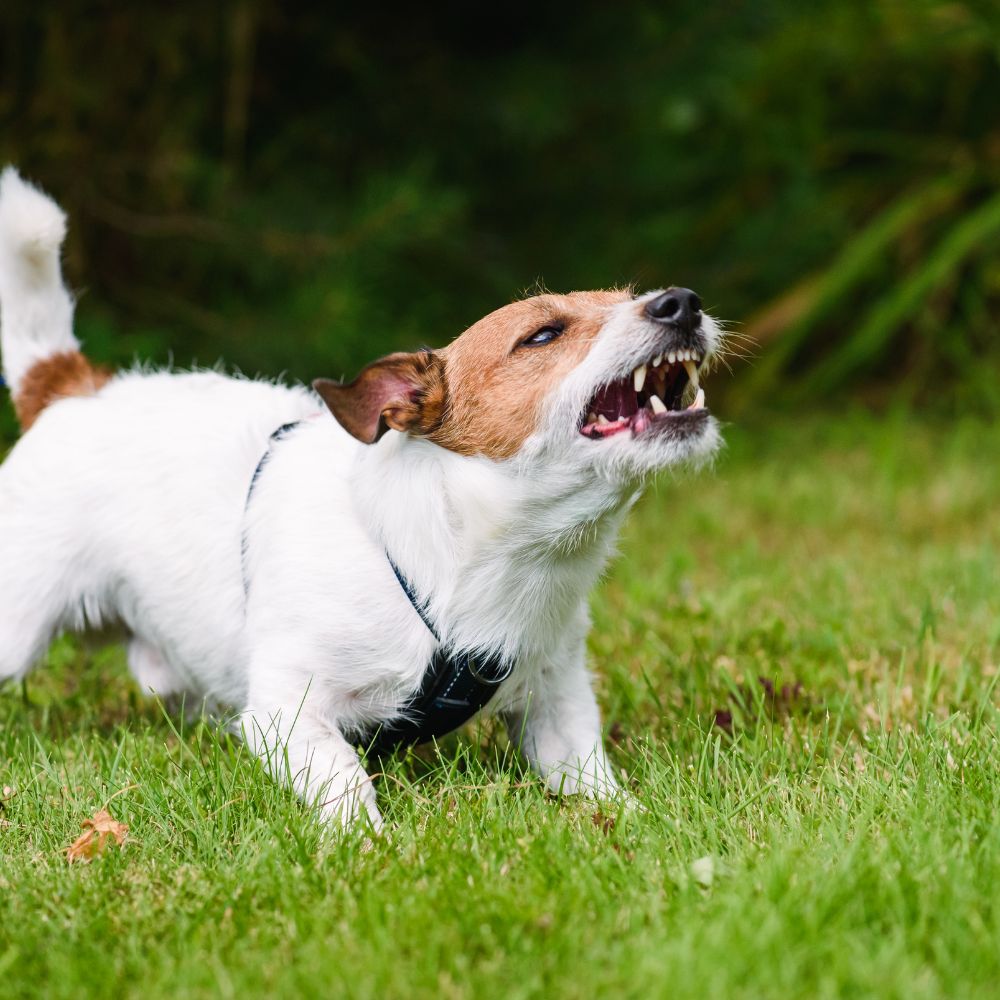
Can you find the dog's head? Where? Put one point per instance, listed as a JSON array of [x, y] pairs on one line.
[[601, 379]]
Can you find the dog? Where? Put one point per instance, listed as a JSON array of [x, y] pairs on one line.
[[382, 558]]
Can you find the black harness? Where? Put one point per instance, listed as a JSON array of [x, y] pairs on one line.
[[455, 686]]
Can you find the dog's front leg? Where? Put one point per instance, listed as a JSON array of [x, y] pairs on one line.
[[558, 727], [310, 754]]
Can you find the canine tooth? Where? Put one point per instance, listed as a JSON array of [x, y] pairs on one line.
[[657, 404], [692, 370], [602, 419], [672, 357], [699, 401], [639, 378], [656, 362], [591, 418]]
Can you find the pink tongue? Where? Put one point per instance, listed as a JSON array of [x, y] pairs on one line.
[[616, 400]]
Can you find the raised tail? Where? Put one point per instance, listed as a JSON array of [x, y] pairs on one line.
[[40, 356]]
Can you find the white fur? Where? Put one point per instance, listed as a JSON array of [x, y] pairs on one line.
[[132, 505], [36, 312]]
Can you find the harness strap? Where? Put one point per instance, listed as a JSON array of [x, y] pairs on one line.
[[455, 686], [244, 541]]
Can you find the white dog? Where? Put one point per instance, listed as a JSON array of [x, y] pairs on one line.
[[375, 575]]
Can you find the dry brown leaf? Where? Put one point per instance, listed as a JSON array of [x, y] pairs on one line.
[[98, 833]]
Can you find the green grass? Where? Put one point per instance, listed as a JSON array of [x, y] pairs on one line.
[[850, 821]]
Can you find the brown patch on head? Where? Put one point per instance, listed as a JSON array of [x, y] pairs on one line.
[[497, 383], [483, 394], [54, 378]]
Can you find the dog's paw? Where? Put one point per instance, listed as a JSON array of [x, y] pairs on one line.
[[354, 808]]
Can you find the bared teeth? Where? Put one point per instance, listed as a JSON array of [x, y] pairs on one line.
[[657, 382]]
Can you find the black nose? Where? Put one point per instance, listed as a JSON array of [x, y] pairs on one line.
[[676, 305]]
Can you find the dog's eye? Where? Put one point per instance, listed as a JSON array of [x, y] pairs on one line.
[[543, 336]]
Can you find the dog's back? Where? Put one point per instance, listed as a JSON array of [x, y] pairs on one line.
[[122, 485]]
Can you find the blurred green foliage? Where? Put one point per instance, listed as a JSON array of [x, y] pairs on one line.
[[299, 188]]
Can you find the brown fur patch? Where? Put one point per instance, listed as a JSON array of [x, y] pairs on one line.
[[57, 377], [495, 388], [484, 393]]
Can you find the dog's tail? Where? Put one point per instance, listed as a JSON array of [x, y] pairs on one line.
[[41, 357]]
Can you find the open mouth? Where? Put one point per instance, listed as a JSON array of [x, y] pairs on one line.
[[651, 397]]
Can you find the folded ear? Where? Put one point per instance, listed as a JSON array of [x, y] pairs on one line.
[[405, 392]]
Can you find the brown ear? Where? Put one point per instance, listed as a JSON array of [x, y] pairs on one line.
[[405, 392]]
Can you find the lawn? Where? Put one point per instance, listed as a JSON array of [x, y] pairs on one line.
[[798, 659]]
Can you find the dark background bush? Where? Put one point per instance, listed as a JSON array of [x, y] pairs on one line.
[[300, 188]]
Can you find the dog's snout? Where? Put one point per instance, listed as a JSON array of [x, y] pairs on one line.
[[679, 306]]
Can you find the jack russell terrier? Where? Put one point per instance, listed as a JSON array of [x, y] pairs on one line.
[[363, 565]]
